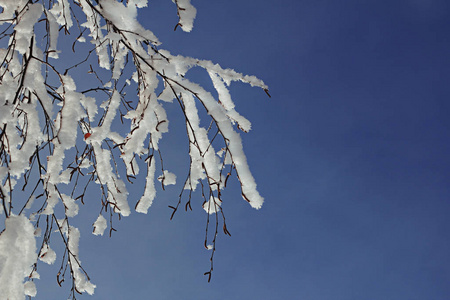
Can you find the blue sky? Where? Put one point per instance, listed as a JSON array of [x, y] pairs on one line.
[[350, 153]]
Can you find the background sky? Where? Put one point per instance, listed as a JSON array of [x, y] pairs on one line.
[[351, 154]]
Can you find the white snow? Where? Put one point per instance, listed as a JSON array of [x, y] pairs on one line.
[[24, 28], [47, 254], [30, 289], [53, 31], [61, 11], [186, 13], [9, 9], [150, 192], [17, 256], [168, 178], [70, 205], [124, 17], [82, 284], [99, 225], [43, 108], [213, 205]]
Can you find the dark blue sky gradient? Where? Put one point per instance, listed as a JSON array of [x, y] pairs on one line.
[[351, 154]]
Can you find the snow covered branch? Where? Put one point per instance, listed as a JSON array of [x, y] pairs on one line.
[[60, 132]]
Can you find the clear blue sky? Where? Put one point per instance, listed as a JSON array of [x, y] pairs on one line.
[[351, 154]]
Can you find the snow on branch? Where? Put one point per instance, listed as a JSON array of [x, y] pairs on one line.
[[186, 14], [61, 133]]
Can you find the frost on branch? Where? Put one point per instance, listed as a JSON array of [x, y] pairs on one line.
[[62, 133]]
